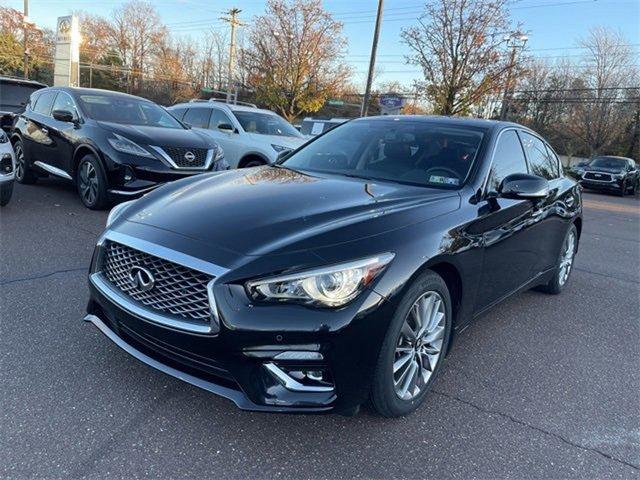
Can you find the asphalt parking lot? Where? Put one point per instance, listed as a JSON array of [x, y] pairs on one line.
[[541, 387]]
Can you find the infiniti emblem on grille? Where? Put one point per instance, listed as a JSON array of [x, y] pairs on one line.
[[189, 157], [141, 278]]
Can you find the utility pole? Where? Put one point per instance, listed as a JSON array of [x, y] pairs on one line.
[[372, 61], [516, 40], [25, 38], [232, 19]]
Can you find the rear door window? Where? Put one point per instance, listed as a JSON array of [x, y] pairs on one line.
[[197, 117], [540, 161], [44, 103]]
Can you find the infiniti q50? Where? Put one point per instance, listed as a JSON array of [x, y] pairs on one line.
[[343, 272]]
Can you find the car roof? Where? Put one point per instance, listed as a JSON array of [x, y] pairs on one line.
[[444, 120], [97, 91], [22, 81], [222, 105]]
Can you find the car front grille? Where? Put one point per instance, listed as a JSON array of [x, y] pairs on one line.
[[176, 289], [597, 176], [187, 157]]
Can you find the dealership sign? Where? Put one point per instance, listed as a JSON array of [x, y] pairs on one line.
[[66, 69], [391, 104]]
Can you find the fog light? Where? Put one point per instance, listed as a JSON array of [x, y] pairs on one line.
[[6, 165], [129, 176], [299, 379]]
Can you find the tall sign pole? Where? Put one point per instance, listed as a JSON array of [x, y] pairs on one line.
[[232, 19], [66, 68], [25, 39], [372, 62]]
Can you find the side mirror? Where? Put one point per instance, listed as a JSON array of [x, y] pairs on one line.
[[524, 186], [226, 127], [63, 116]]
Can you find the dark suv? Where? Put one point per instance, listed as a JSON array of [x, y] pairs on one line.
[[614, 174], [14, 96], [112, 145]]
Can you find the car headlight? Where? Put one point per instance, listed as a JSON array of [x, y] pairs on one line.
[[279, 148], [219, 153], [618, 176], [331, 286], [125, 145], [117, 211], [3, 137]]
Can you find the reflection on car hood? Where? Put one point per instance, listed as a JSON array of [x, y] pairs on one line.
[[164, 137], [289, 142], [266, 210]]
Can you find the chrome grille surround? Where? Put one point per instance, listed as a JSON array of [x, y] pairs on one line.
[[179, 291], [598, 176], [175, 157]]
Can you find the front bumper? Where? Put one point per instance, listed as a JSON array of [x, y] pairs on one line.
[[613, 186], [250, 358]]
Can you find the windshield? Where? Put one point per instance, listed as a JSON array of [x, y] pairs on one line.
[[127, 111], [14, 96], [608, 162], [265, 124], [420, 153]]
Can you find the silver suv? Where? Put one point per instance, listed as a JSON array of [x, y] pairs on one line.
[[249, 136]]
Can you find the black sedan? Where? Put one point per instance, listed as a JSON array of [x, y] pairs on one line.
[[341, 273], [112, 145], [613, 174]]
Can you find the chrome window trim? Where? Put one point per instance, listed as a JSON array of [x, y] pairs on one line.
[[169, 161], [52, 170]]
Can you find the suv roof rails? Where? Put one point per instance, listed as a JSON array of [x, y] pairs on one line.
[[222, 100]]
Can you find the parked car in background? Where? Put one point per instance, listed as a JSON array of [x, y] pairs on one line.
[[7, 168], [578, 169], [613, 174], [250, 136], [342, 273], [112, 145], [315, 126], [14, 96]]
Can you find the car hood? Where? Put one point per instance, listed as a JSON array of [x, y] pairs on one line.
[[159, 136], [275, 210], [289, 142], [604, 170]]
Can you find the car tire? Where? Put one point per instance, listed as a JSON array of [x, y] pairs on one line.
[[390, 396], [560, 275], [253, 163], [6, 190], [24, 173], [91, 182]]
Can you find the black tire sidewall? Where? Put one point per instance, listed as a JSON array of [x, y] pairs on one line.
[[383, 395], [6, 190], [102, 196], [28, 176]]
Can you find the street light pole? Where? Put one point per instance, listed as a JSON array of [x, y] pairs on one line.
[[516, 40], [233, 21], [25, 39], [372, 61]]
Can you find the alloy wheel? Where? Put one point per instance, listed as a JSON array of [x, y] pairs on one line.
[[419, 345], [20, 162], [568, 254], [88, 183]]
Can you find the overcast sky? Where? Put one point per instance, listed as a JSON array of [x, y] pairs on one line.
[[554, 26]]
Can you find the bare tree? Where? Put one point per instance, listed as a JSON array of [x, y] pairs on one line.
[[136, 32], [608, 73], [459, 44], [293, 56]]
